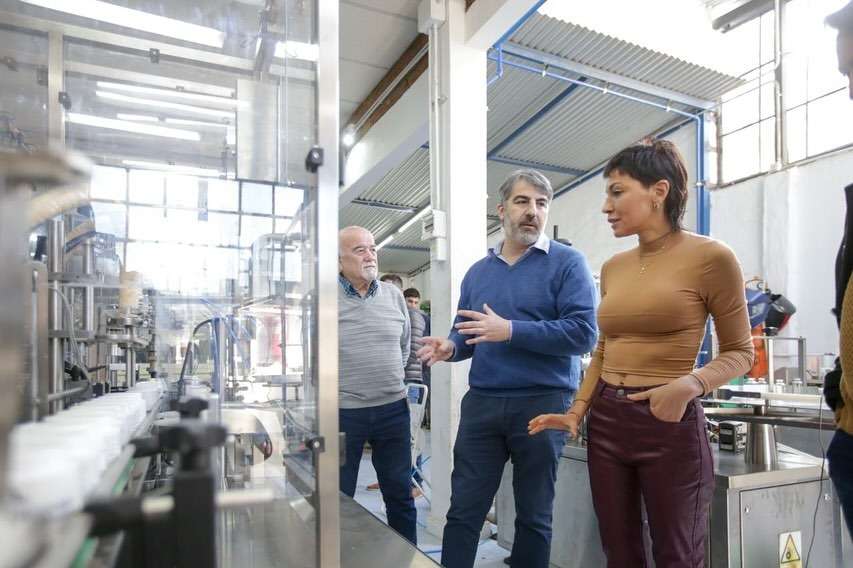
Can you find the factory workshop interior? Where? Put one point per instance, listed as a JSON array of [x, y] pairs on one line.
[[409, 283]]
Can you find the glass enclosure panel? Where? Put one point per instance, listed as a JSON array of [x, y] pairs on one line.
[[202, 214]]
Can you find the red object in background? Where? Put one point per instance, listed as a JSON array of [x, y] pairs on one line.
[[761, 366]]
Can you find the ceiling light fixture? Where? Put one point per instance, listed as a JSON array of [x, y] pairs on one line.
[[230, 131], [297, 50], [384, 242], [128, 126], [167, 93], [165, 104], [135, 19], [175, 168], [137, 117], [414, 219]]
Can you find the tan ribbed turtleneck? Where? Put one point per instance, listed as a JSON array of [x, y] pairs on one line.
[[655, 300]]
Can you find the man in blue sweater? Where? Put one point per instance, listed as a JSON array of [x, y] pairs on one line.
[[526, 314]]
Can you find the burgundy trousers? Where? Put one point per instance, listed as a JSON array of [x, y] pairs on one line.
[[631, 455]]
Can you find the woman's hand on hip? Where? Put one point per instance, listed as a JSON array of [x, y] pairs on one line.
[[543, 422], [668, 402]]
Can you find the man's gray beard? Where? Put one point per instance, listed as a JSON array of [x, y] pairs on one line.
[[516, 234], [371, 273]]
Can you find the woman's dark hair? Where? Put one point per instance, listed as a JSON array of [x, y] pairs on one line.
[[651, 161]]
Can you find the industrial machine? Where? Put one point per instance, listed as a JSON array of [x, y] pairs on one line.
[[168, 243]]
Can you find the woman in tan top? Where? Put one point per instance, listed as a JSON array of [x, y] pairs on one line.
[[646, 426]]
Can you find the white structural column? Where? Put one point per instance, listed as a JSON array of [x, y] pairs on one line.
[[461, 165]]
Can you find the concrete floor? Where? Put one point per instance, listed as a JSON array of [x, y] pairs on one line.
[[489, 553]]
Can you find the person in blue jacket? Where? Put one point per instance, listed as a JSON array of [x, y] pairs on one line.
[[526, 314]]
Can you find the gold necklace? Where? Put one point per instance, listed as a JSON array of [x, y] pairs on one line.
[[644, 264]]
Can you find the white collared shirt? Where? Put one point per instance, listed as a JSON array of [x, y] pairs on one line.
[[543, 243]]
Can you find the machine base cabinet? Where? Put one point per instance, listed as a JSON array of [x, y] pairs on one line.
[[753, 512]]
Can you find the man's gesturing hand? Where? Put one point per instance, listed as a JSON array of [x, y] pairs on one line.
[[487, 326], [435, 349]]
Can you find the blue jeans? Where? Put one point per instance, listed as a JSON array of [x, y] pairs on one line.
[[386, 428], [492, 430], [840, 456]]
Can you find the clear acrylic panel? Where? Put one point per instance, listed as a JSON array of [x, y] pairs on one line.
[[201, 208]]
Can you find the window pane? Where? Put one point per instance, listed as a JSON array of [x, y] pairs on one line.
[[740, 111], [767, 36], [766, 95], [181, 191], [287, 201], [740, 153], [146, 187], [223, 229], [824, 117], [282, 224], [796, 134], [110, 218], [768, 144], [795, 79], [222, 194], [253, 227], [109, 183], [183, 226], [146, 223], [823, 67], [257, 198]]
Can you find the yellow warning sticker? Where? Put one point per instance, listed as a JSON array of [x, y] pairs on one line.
[[790, 544]]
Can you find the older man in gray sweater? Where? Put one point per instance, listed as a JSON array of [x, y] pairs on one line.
[[373, 348]]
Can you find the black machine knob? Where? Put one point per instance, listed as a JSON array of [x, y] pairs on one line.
[[193, 440], [192, 407]]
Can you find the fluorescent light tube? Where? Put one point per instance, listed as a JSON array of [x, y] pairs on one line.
[[187, 122], [230, 131], [137, 117], [385, 242], [189, 170], [164, 104], [135, 19], [136, 127], [167, 93], [297, 50], [414, 219]]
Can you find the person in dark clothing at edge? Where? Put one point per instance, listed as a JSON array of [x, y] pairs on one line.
[[838, 384], [526, 314]]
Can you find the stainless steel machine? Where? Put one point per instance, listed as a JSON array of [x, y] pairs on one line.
[[763, 494], [168, 237]]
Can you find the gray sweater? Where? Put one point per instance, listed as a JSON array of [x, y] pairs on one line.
[[373, 347]]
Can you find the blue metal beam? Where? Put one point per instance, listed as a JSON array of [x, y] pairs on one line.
[[510, 32], [534, 119], [537, 166]]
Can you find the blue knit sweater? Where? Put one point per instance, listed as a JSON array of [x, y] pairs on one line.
[[550, 298]]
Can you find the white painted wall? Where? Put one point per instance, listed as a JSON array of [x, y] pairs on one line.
[[786, 227]]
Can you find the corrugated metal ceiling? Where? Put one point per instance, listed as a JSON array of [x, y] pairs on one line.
[[585, 129], [407, 184], [570, 41], [582, 131]]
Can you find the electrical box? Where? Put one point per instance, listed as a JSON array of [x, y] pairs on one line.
[[732, 436], [434, 226], [431, 13]]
